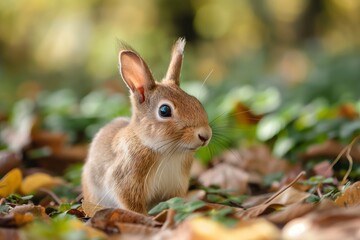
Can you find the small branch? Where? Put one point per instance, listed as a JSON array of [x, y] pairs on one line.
[[285, 188], [52, 195]]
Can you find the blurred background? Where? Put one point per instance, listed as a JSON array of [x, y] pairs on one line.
[[276, 60]]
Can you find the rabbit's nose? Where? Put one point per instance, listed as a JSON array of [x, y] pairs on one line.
[[203, 137]]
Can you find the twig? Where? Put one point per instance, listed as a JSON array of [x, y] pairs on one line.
[[285, 188], [52, 195], [346, 150], [79, 197], [318, 190]]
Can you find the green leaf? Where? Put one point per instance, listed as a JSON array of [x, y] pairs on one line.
[[4, 208], [313, 199], [193, 205], [16, 198], [181, 216], [269, 126], [159, 208], [350, 129]]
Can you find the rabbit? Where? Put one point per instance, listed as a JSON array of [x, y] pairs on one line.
[[135, 163]]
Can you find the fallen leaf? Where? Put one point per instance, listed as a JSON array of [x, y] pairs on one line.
[[256, 159], [278, 200], [351, 196], [141, 231], [253, 201], [244, 115], [22, 214], [227, 177], [90, 208], [108, 219], [290, 196], [9, 234], [204, 228], [323, 169], [10, 182], [348, 110], [38, 180], [64, 227], [259, 210], [8, 160], [328, 224], [288, 213], [331, 149], [91, 233]]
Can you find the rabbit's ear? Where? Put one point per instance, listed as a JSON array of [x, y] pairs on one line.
[[135, 73], [173, 72]]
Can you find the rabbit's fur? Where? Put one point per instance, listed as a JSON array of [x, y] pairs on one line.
[[136, 163]]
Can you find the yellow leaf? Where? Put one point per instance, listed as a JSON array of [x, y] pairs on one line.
[[10, 182], [205, 228], [36, 181], [91, 233], [350, 197], [90, 208]]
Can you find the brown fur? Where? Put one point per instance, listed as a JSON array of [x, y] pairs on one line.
[[137, 163]]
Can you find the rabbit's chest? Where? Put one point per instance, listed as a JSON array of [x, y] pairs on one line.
[[169, 178]]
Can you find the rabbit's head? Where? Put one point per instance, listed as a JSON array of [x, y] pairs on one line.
[[165, 118]]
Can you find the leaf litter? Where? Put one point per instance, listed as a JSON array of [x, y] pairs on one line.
[[245, 193]]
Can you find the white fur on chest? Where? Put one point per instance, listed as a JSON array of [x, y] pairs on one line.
[[167, 178]]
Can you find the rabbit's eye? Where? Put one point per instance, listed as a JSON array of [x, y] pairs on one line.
[[165, 111]]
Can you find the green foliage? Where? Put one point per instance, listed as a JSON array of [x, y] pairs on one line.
[[328, 186], [60, 228], [4, 209], [18, 199], [222, 216], [223, 196], [183, 209]]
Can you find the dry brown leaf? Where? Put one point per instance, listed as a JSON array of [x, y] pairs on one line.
[[259, 210], [90, 208], [204, 228], [226, 177], [331, 149], [253, 201], [256, 159], [351, 196], [136, 229], [348, 110], [10, 182], [297, 210], [323, 169], [286, 196], [291, 212], [8, 161], [290, 196], [22, 214], [108, 219], [327, 224], [34, 182], [244, 115], [9, 234], [63, 158]]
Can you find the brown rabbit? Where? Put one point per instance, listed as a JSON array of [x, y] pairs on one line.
[[136, 163]]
